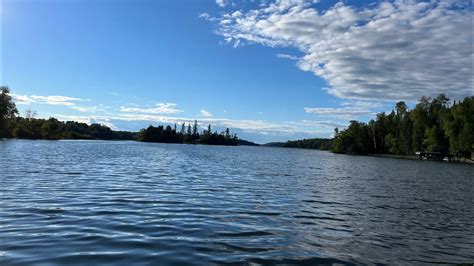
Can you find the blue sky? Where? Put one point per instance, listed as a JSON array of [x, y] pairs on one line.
[[270, 71]]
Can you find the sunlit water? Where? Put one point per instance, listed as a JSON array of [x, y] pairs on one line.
[[128, 203]]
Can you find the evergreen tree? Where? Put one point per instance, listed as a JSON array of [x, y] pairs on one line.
[[195, 129]]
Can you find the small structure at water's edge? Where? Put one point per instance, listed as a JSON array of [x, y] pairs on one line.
[[436, 156], [440, 156]]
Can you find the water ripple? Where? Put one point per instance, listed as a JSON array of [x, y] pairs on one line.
[[128, 203]]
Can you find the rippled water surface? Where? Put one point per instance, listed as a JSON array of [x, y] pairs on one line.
[[128, 203]]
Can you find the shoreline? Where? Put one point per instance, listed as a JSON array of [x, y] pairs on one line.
[[415, 157]]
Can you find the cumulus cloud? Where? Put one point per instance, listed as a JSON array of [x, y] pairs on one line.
[[159, 108], [205, 113], [390, 50], [51, 100]]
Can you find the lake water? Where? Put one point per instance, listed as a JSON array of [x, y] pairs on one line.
[[129, 203]]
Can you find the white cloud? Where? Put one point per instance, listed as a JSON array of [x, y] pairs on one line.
[[397, 50], [51, 100], [287, 56], [341, 113], [221, 3], [349, 110], [160, 108], [205, 113], [90, 109], [325, 124], [106, 121], [22, 99], [246, 125], [204, 15], [362, 104]]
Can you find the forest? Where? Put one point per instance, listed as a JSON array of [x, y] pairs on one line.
[[434, 125], [187, 134], [313, 143]]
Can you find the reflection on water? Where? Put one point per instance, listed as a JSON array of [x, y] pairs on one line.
[[140, 203]]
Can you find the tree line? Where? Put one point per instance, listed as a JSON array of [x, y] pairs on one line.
[[313, 143], [29, 127], [53, 129], [187, 134], [434, 125]]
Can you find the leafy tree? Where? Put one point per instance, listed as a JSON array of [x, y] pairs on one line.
[[51, 129], [7, 110], [433, 125]]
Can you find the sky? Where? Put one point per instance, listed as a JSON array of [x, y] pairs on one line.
[[268, 70]]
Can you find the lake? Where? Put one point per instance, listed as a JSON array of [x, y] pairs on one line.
[[131, 203]]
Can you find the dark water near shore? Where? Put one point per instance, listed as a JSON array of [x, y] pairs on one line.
[[97, 202]]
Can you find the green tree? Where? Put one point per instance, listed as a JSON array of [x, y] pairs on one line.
[[458, 126], [7, 111], [420, 119], [195, 129], [51, 129], [188, 137], [227, 133], [433, 125]]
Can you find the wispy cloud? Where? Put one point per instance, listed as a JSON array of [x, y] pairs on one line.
[[246, 125], [204, 15], [287, 56], [159, 108], [88, 109], [221, 3], [391, 50], [205, 113], [341, 113], [325, 124], [103, 120], [51, 100]]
